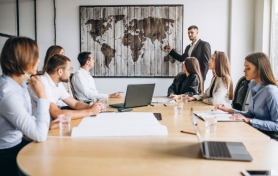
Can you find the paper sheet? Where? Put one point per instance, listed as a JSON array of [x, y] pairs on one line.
[[120, 124], [163, 100], [220, 115]]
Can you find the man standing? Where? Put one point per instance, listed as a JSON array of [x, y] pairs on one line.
[[84, 84], [198, 48]]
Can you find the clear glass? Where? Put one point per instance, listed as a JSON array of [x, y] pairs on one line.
[[64, 122], [184, 98], [178, 108], [210, 124]]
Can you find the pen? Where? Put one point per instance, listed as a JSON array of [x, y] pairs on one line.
[[165, 105], [187, 132]]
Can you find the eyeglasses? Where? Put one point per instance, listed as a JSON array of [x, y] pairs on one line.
[[71, 69]]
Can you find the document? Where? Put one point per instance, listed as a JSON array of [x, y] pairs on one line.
[[220, 115], [163, 100], [120, 124]]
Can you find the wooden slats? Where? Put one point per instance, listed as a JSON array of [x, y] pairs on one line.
[[129, 41]]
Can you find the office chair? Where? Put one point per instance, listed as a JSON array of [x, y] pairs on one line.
[[72, 88], [241, 94]]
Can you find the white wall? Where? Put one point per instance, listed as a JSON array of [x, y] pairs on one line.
[[228, 25]]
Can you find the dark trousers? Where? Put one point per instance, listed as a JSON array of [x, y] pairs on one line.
[[8, 165]]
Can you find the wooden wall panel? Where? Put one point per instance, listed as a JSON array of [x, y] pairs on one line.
[[129, 41]]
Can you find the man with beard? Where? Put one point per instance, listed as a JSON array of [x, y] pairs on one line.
[[198, 48], [58, 70]]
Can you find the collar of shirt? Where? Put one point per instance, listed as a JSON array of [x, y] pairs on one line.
[[255, 87], [49, 80], [15, 84], [193, 44], [84, 71]]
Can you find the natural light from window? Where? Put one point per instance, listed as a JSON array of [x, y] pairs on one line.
[[274, 39]]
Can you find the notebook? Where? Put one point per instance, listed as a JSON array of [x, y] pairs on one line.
[[164, 100], [221, 150], [220, 115], [137, 95]]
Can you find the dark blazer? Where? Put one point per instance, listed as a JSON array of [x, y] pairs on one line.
[[201, 51], [183, 84]]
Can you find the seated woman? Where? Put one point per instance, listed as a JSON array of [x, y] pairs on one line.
[[263, 105], [19, 58], [220, 90], [189, 81]]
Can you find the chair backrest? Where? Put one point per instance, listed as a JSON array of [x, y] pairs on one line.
[[72, 88], [241, 94]]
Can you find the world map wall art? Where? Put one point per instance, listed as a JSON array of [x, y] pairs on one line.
[[129, 41]]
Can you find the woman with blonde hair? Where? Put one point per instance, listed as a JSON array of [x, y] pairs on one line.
[[262, 111], [220, 90], [189, 81]]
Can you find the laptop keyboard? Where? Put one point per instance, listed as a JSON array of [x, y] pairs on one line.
[[218, 149]]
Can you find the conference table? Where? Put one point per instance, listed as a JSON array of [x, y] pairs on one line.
[[175, 154]]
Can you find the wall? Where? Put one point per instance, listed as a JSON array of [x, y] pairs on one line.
[[228, 25]]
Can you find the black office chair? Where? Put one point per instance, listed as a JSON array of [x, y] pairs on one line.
[[241, 94], [72, 88]]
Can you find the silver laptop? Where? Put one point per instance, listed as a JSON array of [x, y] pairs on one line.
[[221, 150], [137, 95]]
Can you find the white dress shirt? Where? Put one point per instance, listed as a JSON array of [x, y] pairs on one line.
[[15, 114], [192, 47], [53, 92], [84, 86]]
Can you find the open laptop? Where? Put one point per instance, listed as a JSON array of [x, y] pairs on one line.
[[221, 150], [137, 95]]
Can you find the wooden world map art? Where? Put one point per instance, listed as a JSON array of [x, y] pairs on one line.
[[129, 41]]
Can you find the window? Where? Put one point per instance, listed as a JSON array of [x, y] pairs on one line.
[[274, 38]]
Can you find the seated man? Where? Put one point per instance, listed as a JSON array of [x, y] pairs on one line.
[[58, 70], [83, 83]]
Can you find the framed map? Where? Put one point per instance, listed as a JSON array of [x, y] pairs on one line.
[[129, 41]]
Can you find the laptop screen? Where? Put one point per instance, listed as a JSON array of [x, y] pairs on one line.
[[139, 95]]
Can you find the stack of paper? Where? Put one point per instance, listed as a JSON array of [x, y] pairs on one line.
[[220, 115], [120, 124], [163, 100]]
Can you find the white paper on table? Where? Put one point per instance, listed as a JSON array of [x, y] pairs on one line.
[[220, 115], [120, 124], [163, 100]]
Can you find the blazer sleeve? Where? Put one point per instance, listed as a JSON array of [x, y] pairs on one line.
[[205, 58], [177, 56], [219, 93], [191, 85], [172, 88]]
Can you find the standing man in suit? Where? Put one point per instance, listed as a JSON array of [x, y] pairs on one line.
[[198, 48]]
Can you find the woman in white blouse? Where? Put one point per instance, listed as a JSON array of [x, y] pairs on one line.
[[220, 90]]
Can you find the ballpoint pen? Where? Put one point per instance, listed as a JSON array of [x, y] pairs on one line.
[[165, 105], [188, 132]]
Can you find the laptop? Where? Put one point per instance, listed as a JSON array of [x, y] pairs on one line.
[[137, 95], [221, 150]]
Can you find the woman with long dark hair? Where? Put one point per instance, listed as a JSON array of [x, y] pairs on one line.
[[189, 81], [220, 90], [262, 111]]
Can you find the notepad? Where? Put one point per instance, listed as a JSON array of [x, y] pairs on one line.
[[120, 124], [220, 115], [163, 100]]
